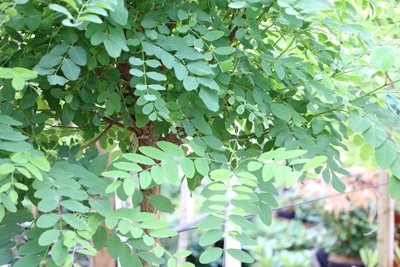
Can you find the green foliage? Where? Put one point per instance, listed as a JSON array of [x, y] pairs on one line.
[[238, 98]]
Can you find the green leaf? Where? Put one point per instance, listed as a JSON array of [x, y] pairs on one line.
[[60, 9], [182, 254], [213, 35], [70, 69], [199, 68], [366, 151], [139, 159], [226, 50], [18, 83], [47, 220], [74, 205], [394, 187], [50, 60], [238, 4], [158, 174], [91, 18], [156, 76], [190, 83], [210, 222], [268, 171], [265, 214], [314, 5], [127, 166], [103, 206], [163, 233], [6, 168], [113, 245], [357, 123], [281, 111], [99, 164], [290, 154], [181, 72], [210, 98], [243, 222], [124, 226], [59, 253], [112, 48], [100, 238], [7, 120], [113, 186], [220, 175], [41, 163], [150, 257], [171, 171], [210, 237], [48, 237], [29, 260], [56, 79], [161, 203], [280, 71], [74, 221], [314, 163], [78, 55], [153, 224], [202, 166], [116, 174], [208, 82], [30, 247], [170, 148], [129, 186], [240, 255], [28, 101], [375, 136], [210, 255], [227, 65], [338, 184], [187, 167], [34, 170], [153, 152], [386, 154], [145, 180]]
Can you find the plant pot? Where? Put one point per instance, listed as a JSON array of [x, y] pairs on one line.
[[286, 213], [344, 261], [326, 260], [322, 258]]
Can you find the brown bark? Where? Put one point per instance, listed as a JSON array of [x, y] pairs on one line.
[[147, 137]]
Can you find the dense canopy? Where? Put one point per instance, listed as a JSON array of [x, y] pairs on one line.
[[238, 98]]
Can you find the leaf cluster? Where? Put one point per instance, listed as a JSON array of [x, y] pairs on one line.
[[242, 97]]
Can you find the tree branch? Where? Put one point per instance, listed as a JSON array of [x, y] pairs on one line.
[[111, 123]]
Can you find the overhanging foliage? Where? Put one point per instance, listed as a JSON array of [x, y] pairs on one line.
[[242, 96]]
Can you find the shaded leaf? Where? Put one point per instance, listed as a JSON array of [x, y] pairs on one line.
[[162, 203], [210, 237], [240, 255], [210, 255], [48, 237], [386, 153]]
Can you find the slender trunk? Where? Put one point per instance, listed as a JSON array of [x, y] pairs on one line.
[[229, 241], [147, 137], [186, 215], [103, 258]]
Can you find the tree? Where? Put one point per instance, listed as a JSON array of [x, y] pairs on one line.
[[238, 98]]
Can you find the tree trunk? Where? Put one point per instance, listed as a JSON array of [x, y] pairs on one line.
[[147, 137], [186, 215], [103, 258]]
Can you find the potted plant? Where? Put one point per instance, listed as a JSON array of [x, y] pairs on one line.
[[345, 234], [345, 221]]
